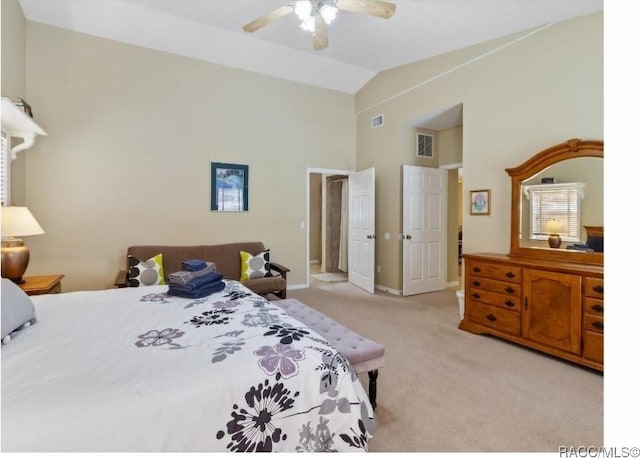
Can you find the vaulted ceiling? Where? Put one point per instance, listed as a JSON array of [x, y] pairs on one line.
[[360, 45]]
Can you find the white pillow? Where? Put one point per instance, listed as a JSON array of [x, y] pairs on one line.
[[17, 309]]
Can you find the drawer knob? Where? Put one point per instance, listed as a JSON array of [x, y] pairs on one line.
[[490, 317], [477, 269], [510, 290], [476, 296], [597, 308], [476, 283], [510, 275], [509, 304], [597, 325], [598, 289]]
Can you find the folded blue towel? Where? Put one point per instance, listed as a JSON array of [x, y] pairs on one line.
[[197, 282], [193, 265], [182, 277], [203, 291]]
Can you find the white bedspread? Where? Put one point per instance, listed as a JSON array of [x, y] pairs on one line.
[[136, 370]]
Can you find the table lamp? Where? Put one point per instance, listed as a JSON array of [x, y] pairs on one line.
[[554, 227], [16, 222]]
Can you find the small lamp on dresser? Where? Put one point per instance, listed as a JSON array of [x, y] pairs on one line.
[[553, 228], [16, 222]]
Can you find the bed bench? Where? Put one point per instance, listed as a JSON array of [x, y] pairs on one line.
[[363, 354]]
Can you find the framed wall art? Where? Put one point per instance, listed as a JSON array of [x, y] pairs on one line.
[[229, 187], [480, 202]]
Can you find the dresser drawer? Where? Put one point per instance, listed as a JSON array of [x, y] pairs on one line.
[[593, 323], [593, 306], [593, 346], [496, 286], [594, 287], [497, 299], [493, 317], [495, 271]]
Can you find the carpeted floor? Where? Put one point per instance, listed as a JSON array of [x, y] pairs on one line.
[[446, 390], [330, 277]]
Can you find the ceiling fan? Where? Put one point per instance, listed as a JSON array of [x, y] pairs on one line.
[[315, 15]]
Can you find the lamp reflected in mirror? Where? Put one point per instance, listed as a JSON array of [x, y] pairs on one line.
[[554, 228]]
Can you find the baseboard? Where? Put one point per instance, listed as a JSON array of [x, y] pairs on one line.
[[384, 289], [298, 286], [451, 284]]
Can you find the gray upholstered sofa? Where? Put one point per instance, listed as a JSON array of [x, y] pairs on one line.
[[226, 258]]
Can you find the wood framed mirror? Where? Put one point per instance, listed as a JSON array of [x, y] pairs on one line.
[[575, 164]]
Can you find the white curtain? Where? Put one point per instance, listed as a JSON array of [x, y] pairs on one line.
[[343, 260]]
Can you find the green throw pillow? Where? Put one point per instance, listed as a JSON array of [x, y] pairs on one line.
[[146, 273], [254, 266]]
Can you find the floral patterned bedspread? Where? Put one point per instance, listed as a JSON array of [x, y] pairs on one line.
[[134, 369]]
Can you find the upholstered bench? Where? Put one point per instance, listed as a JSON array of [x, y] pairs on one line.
[[363, 354]]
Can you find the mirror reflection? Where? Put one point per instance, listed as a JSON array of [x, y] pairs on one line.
[[559, 202]]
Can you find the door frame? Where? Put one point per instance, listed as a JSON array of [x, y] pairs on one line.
[[311, 170]]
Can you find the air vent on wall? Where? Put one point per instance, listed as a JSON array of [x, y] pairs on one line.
[[424, 145], [377, 121]]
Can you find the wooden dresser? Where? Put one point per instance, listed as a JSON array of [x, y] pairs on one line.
[[547, 297], [552, 306]]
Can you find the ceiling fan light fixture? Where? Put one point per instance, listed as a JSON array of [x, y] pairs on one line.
[[308, 24], [328, 13], [303, 9]]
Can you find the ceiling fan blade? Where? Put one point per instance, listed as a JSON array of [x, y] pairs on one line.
[[268, 18], [320, 39], [376, 8]]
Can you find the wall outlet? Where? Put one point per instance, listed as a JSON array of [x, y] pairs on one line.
[[378, 269]]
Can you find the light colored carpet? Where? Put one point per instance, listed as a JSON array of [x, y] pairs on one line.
[[446, 390], [330, 277]]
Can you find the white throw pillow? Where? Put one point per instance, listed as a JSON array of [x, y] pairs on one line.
[[17, 309]]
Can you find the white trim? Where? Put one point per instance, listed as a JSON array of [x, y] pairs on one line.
[[298, 286], [455, 165], [323, 171], [384, 289]]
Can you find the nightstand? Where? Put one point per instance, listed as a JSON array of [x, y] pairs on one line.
[[42, 284]]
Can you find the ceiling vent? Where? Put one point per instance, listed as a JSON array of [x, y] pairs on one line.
[[424, 145], [377, 121]]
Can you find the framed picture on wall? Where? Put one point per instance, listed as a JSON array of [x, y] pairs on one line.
[[229, 187], [480, 202]]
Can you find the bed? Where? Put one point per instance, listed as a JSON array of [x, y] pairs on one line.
[[137, 370]]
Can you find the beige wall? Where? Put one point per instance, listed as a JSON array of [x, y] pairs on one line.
[[520, 94], [13, 81], [315, 217], [131, 134]]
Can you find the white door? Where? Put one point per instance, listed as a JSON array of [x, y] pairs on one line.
[[362, 229], [424, 229]]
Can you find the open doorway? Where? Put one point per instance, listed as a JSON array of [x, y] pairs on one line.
[[445, 126], [327, 225]]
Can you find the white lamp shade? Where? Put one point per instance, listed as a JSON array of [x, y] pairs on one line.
[[19, 222], [554, 227]]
